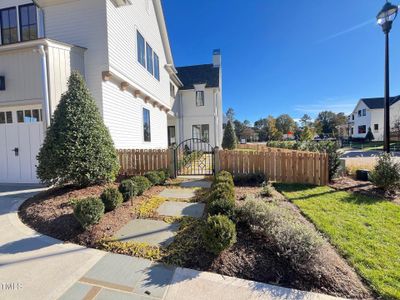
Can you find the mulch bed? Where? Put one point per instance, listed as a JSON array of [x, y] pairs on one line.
[[50, 213], [365, 188], [253, 257]]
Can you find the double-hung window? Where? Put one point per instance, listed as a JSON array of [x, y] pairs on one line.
[[149, 58], [28, 22], [201, 132], [156, 66], [199, 98], [141, 56], [362, 129], [146, 125], [8, 25]]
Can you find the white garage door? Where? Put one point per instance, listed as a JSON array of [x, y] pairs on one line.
[[21, 135]]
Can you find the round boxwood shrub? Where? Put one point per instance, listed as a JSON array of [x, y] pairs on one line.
[[222, 190], [386, 174], [89, 211], [128, 189], [223, 176], [111, 198], [222, 207], [219, 233], [142, 184], [154, 177], [78, 147]]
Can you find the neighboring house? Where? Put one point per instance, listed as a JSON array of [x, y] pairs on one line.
[[122, 49], [198, 105], [368, 113]]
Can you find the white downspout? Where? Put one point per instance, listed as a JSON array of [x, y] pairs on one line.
[[45, 85]]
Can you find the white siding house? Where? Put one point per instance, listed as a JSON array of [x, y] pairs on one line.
[[121, 47], [368, 113], [198, 105]]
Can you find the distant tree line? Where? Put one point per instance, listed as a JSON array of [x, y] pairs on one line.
[[284, 126]]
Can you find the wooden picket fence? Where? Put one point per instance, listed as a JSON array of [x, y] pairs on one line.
[[260, 147], [279, 165], [138, 162]]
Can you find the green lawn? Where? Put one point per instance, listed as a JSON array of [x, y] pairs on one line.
[[366, 231]]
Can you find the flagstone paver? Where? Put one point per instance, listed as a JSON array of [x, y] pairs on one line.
[[180, 209], [77, 291], [184, 194], [117, 271], [196, 183], [153, 232]]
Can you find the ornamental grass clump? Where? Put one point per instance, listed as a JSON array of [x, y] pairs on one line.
[[296, 241], [78, 148], [219, 233], [111, 198], [386, 174], [89, 211]]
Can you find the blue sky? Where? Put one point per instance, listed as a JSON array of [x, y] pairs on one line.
[[289, 56]]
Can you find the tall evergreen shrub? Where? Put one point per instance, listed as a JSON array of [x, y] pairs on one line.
[[229, 139], [78, 148]]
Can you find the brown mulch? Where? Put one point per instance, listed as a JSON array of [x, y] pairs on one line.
[[365, 188], [254, 257], [51, 213]]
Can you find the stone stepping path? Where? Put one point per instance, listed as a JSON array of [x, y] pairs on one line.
[[181, 209], [160, 233], [197, 183], [149, 231], [118, 276], [183, 194]]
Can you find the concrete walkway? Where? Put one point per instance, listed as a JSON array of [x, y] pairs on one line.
[[34, 266]]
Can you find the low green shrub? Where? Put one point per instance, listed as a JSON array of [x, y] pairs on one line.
[[386, 174], [219, 233], [111, 198], [163, 176], [222, 190], [251, 179], [128, 189], [222, 206], [142, 184], [296, 241], [223, 176], [153, 177], [267, 190], [89, 211]]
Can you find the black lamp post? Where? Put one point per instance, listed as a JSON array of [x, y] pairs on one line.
[[385, 18]]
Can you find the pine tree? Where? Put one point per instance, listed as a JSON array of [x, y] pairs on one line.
[[370, 136], [229, 140], [78, 148]]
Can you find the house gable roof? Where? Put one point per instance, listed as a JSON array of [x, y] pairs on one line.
[[378, 103], [200, 74]]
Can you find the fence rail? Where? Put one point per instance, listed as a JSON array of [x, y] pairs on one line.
[[138, 162], [287, 166]]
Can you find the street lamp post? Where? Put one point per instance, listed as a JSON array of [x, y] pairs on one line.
[[385, 18]]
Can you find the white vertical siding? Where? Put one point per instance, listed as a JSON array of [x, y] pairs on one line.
[[123, 115], [21, 69], [84, 24], [61, 62]]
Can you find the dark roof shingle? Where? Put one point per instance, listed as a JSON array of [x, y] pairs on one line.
[[377, 103], [199, 74]]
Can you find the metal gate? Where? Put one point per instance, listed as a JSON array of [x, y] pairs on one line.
[[194, 157]]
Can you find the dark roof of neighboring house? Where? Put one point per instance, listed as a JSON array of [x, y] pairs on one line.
[[199, 74], [377, 103]]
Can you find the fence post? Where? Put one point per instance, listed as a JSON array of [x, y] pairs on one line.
[[217, 163], [171, 161]]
